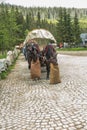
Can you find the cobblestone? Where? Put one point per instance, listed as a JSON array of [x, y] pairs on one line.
[[37, 105]]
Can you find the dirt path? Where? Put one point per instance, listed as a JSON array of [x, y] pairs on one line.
[[74, 53], [37, 105]]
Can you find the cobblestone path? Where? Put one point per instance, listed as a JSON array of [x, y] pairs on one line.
[[37, 105]]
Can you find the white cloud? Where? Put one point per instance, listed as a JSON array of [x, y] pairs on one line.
[[51, 3]]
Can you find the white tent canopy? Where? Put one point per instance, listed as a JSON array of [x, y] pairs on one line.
[[39, 33]]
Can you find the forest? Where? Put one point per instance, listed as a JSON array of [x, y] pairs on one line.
[[66, 24]]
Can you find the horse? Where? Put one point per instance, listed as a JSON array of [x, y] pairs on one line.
[[42, 59], [50, 56], [46, 56], [32, 53]]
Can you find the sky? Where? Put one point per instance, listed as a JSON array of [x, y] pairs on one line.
[[49, 3]]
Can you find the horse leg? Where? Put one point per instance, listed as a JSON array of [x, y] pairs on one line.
[[48, 70], [29, 62]]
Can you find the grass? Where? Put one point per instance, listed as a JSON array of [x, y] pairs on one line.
[[4, 74], [83, 23], [2, 56], [72, 49]]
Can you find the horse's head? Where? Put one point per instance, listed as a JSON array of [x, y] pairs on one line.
[[34, 53]]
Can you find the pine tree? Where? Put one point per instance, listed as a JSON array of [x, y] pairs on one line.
[[20, 24], [60, 26], [4, 29], [38, 20], [76, 30], [64, 27], [69, 33]]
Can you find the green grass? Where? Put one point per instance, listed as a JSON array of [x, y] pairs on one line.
[[72, 49], [2, 56], [82, 22], [4, 74], [54, 21]]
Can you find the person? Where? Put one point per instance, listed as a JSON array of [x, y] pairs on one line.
[[25, 52]]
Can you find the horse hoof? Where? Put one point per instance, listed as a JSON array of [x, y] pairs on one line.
[[38, 78], [29, 67], [47, 78]]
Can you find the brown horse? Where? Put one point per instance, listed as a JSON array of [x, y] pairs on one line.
[[50, 55], [32, 53]]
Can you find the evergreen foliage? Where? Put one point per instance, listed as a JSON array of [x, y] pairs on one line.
[[68, 30], [76, 30], [16, 21]]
